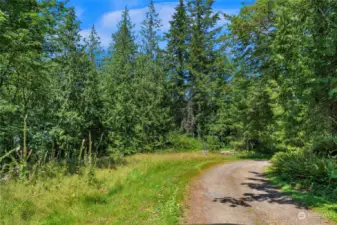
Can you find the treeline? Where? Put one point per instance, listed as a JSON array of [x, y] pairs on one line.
[[267, 81], [60, 94], [284, 89], [282, 97]]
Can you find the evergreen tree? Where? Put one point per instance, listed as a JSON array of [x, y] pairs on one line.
[[23, 81], [149, 94], [119, 110], [276, 90], [201, 65], [94, 48], [75, 88], [150, 32], [177, 58]]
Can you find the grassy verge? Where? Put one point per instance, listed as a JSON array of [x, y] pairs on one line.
[[149, 189], [320, 198]]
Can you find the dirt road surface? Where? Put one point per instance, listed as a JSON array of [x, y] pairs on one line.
[[238, 194]]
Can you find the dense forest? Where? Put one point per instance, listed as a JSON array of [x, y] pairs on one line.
[[266, 81], [262, 82]]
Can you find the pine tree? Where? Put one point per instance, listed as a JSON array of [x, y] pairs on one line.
[[177, 58], [201, 65], [94, 49], [119, 73], [150, 32], [75, 87], [149, 94], [123, 48]]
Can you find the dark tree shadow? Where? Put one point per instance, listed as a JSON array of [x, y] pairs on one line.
[[267, 192], [233, 202]]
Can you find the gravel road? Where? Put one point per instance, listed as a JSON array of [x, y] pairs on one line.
[[238, 194]]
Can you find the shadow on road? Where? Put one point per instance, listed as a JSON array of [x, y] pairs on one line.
[[233, 202], [261, 190]]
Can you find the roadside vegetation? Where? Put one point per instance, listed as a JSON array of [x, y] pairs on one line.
[[309, 179], [141, 189]]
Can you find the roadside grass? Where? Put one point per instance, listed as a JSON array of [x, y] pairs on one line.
[[147, 189], [320, 198]]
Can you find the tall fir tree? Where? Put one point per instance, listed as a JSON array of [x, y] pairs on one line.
[[202, 67], [94, 49], [74, 87], [150, 32], [177, 58], [118, 72]]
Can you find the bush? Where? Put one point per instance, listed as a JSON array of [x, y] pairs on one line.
[[183, 142], [305, 167], [213, 143], [326, 147]]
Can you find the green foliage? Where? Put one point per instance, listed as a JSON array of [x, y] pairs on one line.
[[213, 143], [308, 178], [126, 103], [266, 84], [176, 58], [203, 69], [276, 95], [183, 142], [150, 32], [93, 45], [135, 94], [326, 147], [306, 167], [253, 155]]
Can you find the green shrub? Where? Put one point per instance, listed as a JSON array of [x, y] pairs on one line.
[[308, 178], [183, 142], [306, 167], [326, 147], [213, 143]]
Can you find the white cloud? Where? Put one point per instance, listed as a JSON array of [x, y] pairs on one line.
[[165, 11], [111, 19], [107, 24]]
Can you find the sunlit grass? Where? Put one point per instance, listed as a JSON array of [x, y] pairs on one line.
[[148, 189]]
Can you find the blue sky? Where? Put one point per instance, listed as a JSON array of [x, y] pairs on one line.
[[105, 14]]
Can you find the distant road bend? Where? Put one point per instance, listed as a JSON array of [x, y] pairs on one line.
[[238, 194]]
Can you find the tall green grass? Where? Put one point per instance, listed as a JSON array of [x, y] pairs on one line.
[[145, 189]]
